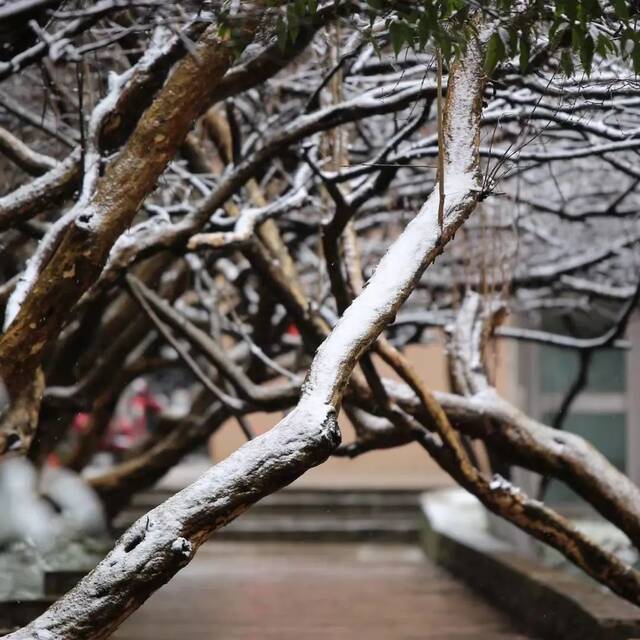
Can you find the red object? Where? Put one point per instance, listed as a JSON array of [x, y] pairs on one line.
[[145, 402], [293, 330], [53, 460], [81, 421], [127, 429]]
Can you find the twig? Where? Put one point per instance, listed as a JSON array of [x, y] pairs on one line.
[[138, 293], [441, 193]]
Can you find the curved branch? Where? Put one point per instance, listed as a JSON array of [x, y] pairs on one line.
[[157, 546]]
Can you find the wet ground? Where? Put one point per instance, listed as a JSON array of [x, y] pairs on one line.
[[305, 591]]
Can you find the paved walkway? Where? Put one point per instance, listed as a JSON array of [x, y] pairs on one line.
[[313, 591]]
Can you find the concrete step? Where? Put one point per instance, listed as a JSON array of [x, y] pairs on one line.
[[546, 600], [312, 515], [328, 529], [290, 515], [57, 582], [17, 613], [310, 500]]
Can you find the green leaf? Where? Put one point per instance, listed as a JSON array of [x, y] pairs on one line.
[[224, 30], [293, 21], [512, 40], [621, 9], [635, 56], [571, 9], [495, 53], [313, 7], [424, 30], [625, 37], [566, 62], [604, 46], [525, 52], [281, 33], [376, 48], [586, 53], [553, 30], [445, 47], [397, 37], [591, 9], [577, 37], [400, 34]]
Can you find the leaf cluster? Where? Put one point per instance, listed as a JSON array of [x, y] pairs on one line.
[[573, 30]]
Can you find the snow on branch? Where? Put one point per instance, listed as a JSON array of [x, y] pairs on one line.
[[162, 542]]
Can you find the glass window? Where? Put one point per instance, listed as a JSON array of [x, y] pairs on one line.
[[606, 431], [599, 412], [559, 368]]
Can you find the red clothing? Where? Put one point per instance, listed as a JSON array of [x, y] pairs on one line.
[[131, 427]]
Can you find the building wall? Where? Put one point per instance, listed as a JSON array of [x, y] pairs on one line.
[[515, 372], [633, 395], [402, 467]]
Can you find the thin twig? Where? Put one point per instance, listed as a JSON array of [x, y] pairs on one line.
[[441, 193]]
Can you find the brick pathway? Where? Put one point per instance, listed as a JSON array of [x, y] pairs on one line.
[[314, 591]]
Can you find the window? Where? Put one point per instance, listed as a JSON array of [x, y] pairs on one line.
[[600, 413]]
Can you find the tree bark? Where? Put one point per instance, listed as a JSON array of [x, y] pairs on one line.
[[162, 542], [77, 261]]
